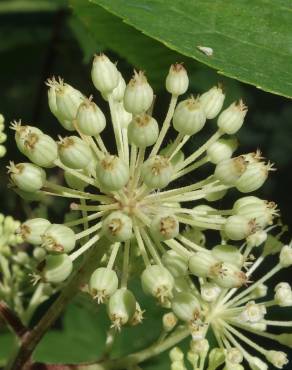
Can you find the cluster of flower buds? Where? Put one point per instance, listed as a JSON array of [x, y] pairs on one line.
[[16, 266], [3, 136], [142, 229], [52, 244]]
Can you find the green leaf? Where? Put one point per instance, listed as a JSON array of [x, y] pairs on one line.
[[141, 51], [7, 343], [82, 338], [9, 6], [251, 40]]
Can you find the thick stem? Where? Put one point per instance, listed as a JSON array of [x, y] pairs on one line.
[[33, 337], [10, 317]]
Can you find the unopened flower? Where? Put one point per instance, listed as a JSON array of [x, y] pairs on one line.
[[3, 136]]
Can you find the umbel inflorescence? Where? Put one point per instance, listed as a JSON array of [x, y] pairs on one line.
[[132, 210]]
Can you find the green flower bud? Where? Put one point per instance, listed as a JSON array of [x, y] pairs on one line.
[[216, 358], [234, 356], [143, 130], [189, 117], [118, 92], [195, 235], [228, 253], [117, 227], [75, 182], [164, 227], [201, 346], [41, 149], [229, 171], [210, 292], [32, 230], [39, 253], [221, 150], [121, 307], [215, 195], [103, 283], [286, 256], [157, 281], [57, 268], [104, 74], [260, 291], [112, 173], [277, 358], [58, 238], [21, 133], [138, 94], [169, 321], [262, 212], [193, 359], [74, 152], [202, 263], [68, 100], [231, 119], [55, 87], [3, 137], [177, 81], [239, 227], [176, 354], [212, 101], [177, 365], [253, 177], [21, 258], [186, 307], [283, 295], [90, 119], [245, 201], [175, 263], [157, 172], [2, 151], [272, 245], [253, 313], [52, 83], [228, 276], [27, 177]]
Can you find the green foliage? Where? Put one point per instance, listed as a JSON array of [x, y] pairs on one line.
[[110, 32], [251, 40], [81, 339], [7, 342]]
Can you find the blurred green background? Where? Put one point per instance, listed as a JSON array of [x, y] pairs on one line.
[[39, 39]]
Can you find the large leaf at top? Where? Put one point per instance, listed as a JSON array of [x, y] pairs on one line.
[[96, 29], [251, 40]]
